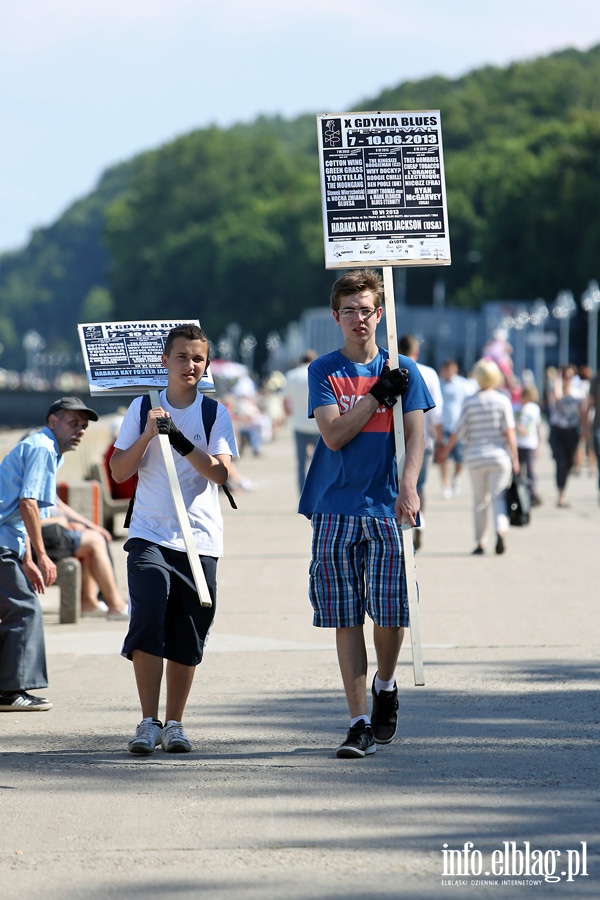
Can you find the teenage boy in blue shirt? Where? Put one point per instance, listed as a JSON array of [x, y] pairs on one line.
[[355, 503]]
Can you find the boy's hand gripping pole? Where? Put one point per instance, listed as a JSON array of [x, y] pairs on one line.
[[184, 522], [406, 529]]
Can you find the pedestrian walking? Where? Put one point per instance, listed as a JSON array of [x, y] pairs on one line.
[[455, 389], [167, 620], [528, 433], [306, 431], [410, 346], [566, 417], [487, 425], [355, 504], [27, 492]]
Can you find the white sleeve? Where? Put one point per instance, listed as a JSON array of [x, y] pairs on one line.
[[129, 431]]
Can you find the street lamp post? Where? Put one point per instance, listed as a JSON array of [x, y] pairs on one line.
[[563, 309], [33, 343], [537, 317], [470, 343], [520, 322], [247, 348], [590, 302]]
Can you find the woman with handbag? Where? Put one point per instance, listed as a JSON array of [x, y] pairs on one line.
[[487, 426]]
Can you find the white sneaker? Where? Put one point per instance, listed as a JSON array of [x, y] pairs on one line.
[[147, 736], [446, 493], [174, 739]]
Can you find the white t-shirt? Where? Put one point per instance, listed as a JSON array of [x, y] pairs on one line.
[[154, 515], [296, 391], [433, 417], [528, 421]]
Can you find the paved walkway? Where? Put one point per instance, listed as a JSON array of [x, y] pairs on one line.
[[499, 746]]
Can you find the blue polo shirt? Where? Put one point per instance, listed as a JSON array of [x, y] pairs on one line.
[[27, 471]]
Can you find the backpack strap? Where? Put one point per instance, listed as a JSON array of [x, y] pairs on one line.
[[209, 411], [145, 406], [209, 414]]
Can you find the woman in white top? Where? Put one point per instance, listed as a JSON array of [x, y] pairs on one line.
[[487, 425]]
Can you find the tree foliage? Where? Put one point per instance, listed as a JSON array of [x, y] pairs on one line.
[[225, 225]]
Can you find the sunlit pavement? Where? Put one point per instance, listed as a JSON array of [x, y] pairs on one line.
[[499, 745]]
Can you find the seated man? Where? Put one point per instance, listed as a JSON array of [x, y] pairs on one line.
[[67, 533]]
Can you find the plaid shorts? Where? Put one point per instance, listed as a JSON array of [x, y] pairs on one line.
[[357, 566]]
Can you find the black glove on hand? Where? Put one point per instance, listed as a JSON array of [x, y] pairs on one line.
[[392, 383], [177, 438]]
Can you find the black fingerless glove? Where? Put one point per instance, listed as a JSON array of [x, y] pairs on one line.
[[177, 438], [392, 383]]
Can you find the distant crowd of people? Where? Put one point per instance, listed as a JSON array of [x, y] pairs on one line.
[[488, 421]]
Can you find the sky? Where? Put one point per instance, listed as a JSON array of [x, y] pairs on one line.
[[86, 84]]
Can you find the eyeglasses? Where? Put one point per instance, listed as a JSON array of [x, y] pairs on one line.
[[349, 313]]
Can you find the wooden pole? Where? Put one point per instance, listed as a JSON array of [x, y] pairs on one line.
[[405, 529], [184, 522]]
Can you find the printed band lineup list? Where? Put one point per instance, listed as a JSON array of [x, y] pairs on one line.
[[383, 180]]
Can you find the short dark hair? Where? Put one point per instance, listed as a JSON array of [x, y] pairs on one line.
[[354, 283], [408, 344], [190, 332]]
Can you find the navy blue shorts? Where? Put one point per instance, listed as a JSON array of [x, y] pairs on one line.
[[166, 617]]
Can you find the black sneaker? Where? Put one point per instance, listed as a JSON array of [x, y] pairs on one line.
[[359, 742], [384, 715], [21, 701]]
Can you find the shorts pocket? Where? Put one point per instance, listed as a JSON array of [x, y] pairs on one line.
[[315, 584]]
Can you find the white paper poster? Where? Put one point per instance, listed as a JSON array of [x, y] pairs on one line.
[[383, 189], [125, 357]]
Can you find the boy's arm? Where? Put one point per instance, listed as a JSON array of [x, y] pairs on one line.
[[125, 463], [215, 468], [407, 501], [336, 429]]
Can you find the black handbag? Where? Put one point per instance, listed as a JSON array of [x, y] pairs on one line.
[[518, 502]]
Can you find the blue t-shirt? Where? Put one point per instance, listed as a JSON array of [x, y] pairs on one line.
[[27, 471], [360, 479]]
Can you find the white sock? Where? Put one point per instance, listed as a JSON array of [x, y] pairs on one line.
[[365, 718], [380, 685], [172, 722]]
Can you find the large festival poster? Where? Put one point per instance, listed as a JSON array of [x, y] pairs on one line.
[[125, 357], [383, 189]]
